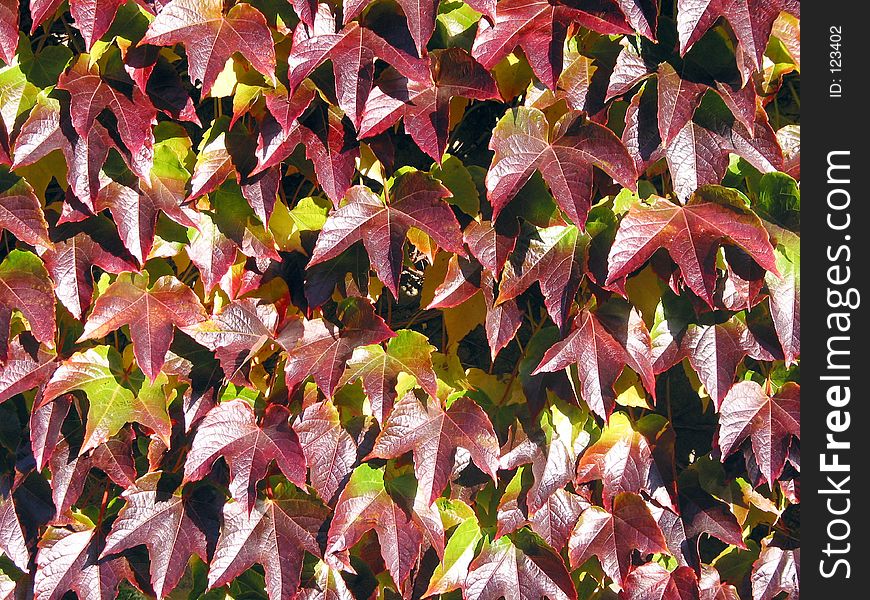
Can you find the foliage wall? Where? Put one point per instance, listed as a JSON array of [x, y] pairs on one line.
[[467, 299]]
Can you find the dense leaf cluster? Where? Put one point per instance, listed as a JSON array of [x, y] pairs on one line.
[[480, 299]]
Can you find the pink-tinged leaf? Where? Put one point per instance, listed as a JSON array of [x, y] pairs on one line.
[[330, 451], [172, 527], [261, 192], [653, 582], [712, 587], [71, 261], [503, 320], [777, 570], [152, 313], [379, 369], [211, 37], [642, 15], [523, 144], [691, 234], [230, 430], [93, 18], [461, 282], [539, 28], [8, 30], [236, 334], [641, 135], [25, 285], [279, 131], [622, 459], [13, 542], [521, 569], [90, 94], [318, 348], [420, 15], [556, 517], [613, 536], [677, 100], [785, 290], [211, 252], [331, 145], [425, 105], [275, 534], [770, 421], [414, 427], [555, 259], [715, 352], [70, 561], [363, 505], [28, 365], [45, 428], [158, 79], [21, 214], [600, 358], [69, 472], [695, 158], [491, 243], [352, 51], [415, 200]]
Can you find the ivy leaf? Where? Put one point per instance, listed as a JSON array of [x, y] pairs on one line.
[[90, 94], [116, 395], [556, 517], [211, 37], [460, 550], [8, 30], [331, 145], [691, 234], [330, 451], [45, 428], [318, 348], [275, 534], [777, 570], [622, 459], [539, 28], [28, 365], [420, 15], [93, 18], [172, 527], [491, 243], [230, 430], [525, 570], [554, 257], [785, 291], [70, 560], [748, 411], [600, 358], [425, 105], [712, 587], [13, 542], [653, 582], [352, 51], [25, 285], [363, 505], [150, 312], [409, 352], [414, 427], [69, 472], [613, 536], [415, 200], [236, 334], [21, 213], [523, 144]]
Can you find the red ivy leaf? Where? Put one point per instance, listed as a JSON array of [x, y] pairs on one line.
[[211, 37], [230, 431], [653, 582], [25, 285], [330, 451]]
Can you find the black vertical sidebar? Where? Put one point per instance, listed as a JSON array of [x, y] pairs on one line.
[[835, 370]]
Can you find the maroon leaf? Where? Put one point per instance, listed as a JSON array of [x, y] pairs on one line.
[[93, 18], [331, 145], [330, 451], [420, 15], [318, 348], [653, 582], [556, 517], [415, 200], [173, 529], [677, 100], [491, 243], [600, 358], [748, 411], [434, 435], [8, 30], [70, 560], [13, 542], [150, 312], [352, 51], [230, 431], [691, 234], [524, 570], [712, 587], [25, 285], [45, 428], [539, 28], [211, 37], [28, 365], [425, 105], [91, 94], [21, 214], [613, 536], [523, 144], [275, 534]]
